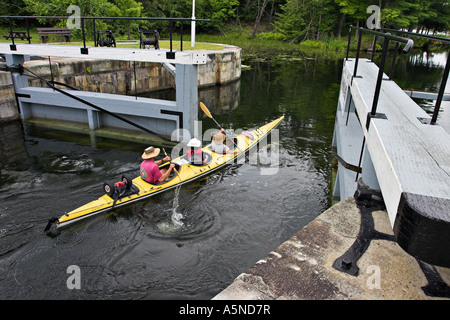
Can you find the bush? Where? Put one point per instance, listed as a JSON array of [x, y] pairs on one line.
[[271, 36], [312, 44]]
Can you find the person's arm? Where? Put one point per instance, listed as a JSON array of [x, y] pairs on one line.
[[158, 162], [204, 158], [165, 175]]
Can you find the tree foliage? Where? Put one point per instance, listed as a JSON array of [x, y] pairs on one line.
[[314, 18], [295, 20]]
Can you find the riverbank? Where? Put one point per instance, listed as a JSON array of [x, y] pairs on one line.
[[272, 46], [308, 265]]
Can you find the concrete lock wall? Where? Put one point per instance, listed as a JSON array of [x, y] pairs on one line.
[[117, 77]]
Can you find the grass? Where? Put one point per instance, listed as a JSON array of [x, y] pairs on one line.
[[267, 49]]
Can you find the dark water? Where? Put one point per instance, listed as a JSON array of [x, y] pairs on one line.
[[223, 224]]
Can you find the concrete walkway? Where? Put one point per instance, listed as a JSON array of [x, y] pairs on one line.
[[302, 267]]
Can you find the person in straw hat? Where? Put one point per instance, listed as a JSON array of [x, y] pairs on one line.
[[195, 154], [217, 144], [150, 171]]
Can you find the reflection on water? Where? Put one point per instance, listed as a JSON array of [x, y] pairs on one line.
[[187, 243]]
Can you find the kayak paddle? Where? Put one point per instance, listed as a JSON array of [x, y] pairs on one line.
[[206, 111], [176, 171]]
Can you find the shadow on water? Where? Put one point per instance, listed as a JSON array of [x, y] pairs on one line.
[[183, 244]]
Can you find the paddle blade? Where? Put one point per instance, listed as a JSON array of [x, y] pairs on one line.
[[205, 109]]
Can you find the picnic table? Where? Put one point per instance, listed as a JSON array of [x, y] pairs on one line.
[[22, 35]]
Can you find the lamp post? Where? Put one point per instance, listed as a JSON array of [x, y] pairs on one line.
[[193, 25]]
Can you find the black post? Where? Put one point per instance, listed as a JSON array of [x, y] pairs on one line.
[[360, 156], [28, 31], [374, 47], [84, 35], [181, 31], [170, 34], [170, 54], [349, 41], [95, 34], [13, 46], [441, 91], [357, 51], [84, 50], [380, 75]]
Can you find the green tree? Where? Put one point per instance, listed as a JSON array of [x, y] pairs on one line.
[[88, 8], [300, 20], [218, 11], [439, 18], [13, 8], [291, 21]]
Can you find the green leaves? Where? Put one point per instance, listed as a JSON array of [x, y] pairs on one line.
[[294, 20]]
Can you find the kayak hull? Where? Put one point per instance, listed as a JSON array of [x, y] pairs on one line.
[[186, 174]]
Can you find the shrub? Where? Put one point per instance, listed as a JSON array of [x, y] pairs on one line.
[[271, 36]]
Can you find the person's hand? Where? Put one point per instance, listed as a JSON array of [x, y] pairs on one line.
[[222, 130], [172, 166], [166, 158]]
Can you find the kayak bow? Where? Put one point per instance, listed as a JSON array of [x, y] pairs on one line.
[[139, 189]]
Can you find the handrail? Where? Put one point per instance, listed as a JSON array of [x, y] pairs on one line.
[[84, 49], [409, 43], [415, 34], [440, 96], [106, 18]]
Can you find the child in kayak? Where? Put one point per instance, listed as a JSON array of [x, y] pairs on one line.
[[195, 155], [217, 144], [150, 171]]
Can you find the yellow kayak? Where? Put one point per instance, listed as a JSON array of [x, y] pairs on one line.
[[140, 189]]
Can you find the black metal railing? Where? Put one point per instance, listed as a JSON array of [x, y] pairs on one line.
[[84, 49], [386, 34], [387, 38], [443, 84]]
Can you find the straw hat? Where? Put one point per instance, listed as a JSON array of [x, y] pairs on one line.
[[194, 143], [150, 152], [218, 137]]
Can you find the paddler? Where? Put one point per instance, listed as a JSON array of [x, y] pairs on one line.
[[150, 171], [195, 154], [217, 144]]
